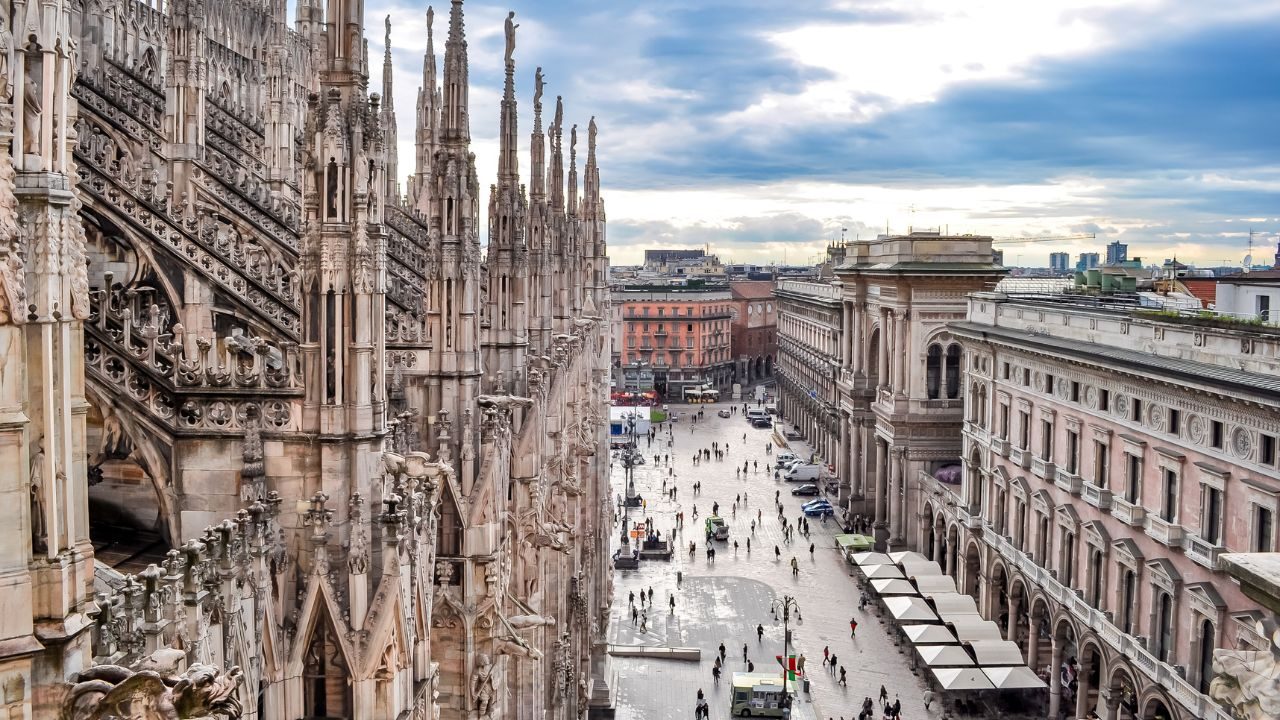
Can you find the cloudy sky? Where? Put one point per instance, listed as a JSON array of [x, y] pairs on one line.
[[762, 128]]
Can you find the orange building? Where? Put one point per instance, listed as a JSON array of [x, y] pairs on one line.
[[755, 330], [673, 338]]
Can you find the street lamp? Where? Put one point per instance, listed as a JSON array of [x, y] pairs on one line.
[[783, 607]]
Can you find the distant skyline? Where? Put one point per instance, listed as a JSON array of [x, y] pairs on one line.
[[762, 128]]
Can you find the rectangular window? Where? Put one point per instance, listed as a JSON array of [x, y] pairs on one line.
[[1046, 439], [689, 327], [1210, 514], [1267, 450], [1215, 438], [1048, 384], [688, 342], [1075, 391], [1175, 422], [1135, 411], [1004, 371], [1024, 430], [1101, 464], [1026, 378], [1073, 452], [1133, 479], [1264, 308], [1169, 498], [662, 312], [1104, 400], [1263, 529], [631, 341], [1004, 420]]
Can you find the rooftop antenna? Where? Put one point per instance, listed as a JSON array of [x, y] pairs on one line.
[[1247, 263]]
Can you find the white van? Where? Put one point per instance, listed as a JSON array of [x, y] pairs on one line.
[[802, 473], [754, 413], [784, 457]]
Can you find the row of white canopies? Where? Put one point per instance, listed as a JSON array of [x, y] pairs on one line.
[[943, 625]]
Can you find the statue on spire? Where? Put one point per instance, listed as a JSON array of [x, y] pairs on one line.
[[511, 35], [538, 82], [573, 143], [431, 17], [387, 41], [591, 135]]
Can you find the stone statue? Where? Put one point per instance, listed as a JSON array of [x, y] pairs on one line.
[[112, 692], [483, 689], [1248, 681], [511, 35], [591, 134], [538, 83], [520, 622], [6, 53], [32, 105], [115, 443], [36, 477]]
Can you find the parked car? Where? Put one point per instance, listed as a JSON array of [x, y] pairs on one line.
[[785, 457], [724, 413], [818, 508], [762, 422], [810, 489], [771, 409]]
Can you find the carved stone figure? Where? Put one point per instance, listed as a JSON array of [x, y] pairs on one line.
[[112, 692], [1248, 681], [483, 689], [511, 35], [36, 482], [32, 106], [538, 83]]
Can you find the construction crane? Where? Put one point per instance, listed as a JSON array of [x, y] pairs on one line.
[[1041, 238]]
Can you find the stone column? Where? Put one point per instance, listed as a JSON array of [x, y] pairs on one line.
[[1112, 708], [900, 352], [897, 499], [846, 318], [1011, 629], [844, 464], [856, 466], [882, 354], [1033, 644], [1082, 691], [855, 342], [882, 496], [1055, 680]]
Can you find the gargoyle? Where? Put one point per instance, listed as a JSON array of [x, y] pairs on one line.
[[112, 692]]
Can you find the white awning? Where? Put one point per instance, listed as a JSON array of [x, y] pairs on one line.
[[969, 628], [909, 608], [1009, 678], [962, 679], [929, 635], [996, 652], [920, 568], [944, 656], [881, 572], [907, 556], [930, 585], [954, 604], [893, 587], [871, 558]]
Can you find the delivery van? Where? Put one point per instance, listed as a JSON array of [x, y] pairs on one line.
[[802, 473]]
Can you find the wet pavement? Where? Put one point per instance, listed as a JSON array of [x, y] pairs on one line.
[[726, 599]]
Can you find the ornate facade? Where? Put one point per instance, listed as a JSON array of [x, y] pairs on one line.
[[292, 442]]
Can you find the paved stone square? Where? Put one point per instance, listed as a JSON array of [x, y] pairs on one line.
[[724, 600]]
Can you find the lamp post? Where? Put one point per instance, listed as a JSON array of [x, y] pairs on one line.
[[784, 607]]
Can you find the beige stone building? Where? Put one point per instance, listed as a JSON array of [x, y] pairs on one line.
[[275, 426], [1110, 457]]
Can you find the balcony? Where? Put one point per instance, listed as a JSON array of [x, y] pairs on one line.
[[1020, 457], [1043, 469], [1068, 481], [971, 520], [1202, 551], [975, 431], [1128, 513], [1098, 497], [660, 332], [1164, 531], [1000, 446]]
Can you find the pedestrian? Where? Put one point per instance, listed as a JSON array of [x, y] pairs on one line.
[[751, 667], [897, 706], [748, 546], [810, 550], [744, 652], [842, 680], [631, 597], [715, 674], [928, 699], [673, 604], [795, 567], [853, 627], [884, 697], [826, 654], [833, 662], [721, 651], [777, 553], [635, 615], [800, 664], [644, 625], [753, 527], [679, 577], [759, 633], [735, 547]]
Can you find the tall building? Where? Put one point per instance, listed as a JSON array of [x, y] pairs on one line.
[[1060, 262], [1117, 252], [1087, 261], [1110, 457], [755, 330], [271, 413], [676, 338], [810, 329]]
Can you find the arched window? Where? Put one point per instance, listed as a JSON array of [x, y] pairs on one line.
[[953, 371], [1207, 643], [1164, 627], [933, 372]]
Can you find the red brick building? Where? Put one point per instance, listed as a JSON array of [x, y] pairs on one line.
[[755, 330]]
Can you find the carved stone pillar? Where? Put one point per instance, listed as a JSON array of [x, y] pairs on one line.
[[882, 496], [1055, 675], [882, 349]]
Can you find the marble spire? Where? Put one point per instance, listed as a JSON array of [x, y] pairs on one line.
[[455, 122], [389, 119]]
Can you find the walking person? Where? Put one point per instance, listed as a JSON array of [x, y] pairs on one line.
[[826, 654], [744, 652], [884, 697], [853, 627], [833, 662], [810, 551], [721, 651], [777, 553], [795, 567], [842, 677], [759, 633]]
